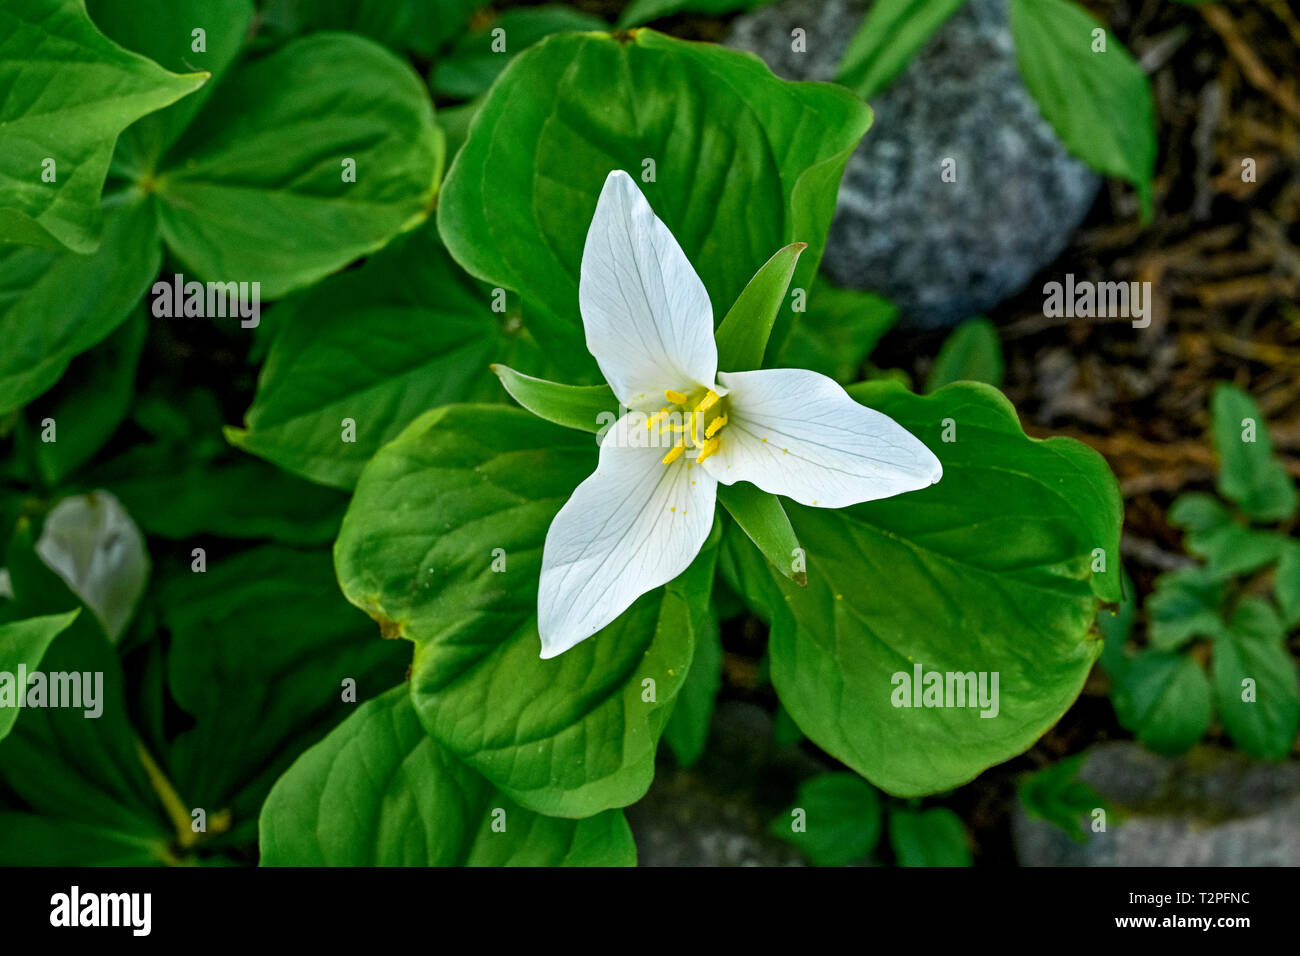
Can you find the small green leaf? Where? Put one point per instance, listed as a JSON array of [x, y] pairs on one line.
[[1098, 100], [934, 837], [23, 644], [762, 517], [584, 407], [644, 11], [1185, 604], [972, 353], [1256, 685], [1164, 698], [68, 92], [742, 336], [1249, 474], [379, 792], [1056, 795], [835, 819], [891, 34]]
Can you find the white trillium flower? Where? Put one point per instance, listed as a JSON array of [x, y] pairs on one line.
[[643, 515]]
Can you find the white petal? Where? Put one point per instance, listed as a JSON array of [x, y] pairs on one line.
[[635, 524], [822, 448], [647, 315]]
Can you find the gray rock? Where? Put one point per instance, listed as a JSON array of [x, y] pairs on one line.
[[1209, 807], [942, 251]]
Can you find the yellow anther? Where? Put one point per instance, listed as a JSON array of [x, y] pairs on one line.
[[715, 426], [657, 417], [695, 427], [677, 398], [708, 401], [674, 453], [709, 448]]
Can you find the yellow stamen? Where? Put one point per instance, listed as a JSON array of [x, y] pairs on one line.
[[657, 417], [709, 448], [695, 427], [674, 453], [715, 426], [708, 401], [677, 398]]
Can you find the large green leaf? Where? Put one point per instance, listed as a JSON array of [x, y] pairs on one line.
[[405, 333], [261, 645], [23, 644], [986, 572], [1256, 685], [420, 25], [1099, 102], [891, 34], [687, 731], [256, 188], [744, 163], [379, 792], [1249, 474], [68, 92], [443, 543], [56, 305]]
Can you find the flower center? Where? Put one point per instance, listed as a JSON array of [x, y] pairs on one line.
[[695, 418]]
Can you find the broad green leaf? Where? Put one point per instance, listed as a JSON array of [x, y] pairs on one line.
[[987, 572], [742, 335], [68, 92], [736, 162], [1256, 683], [837, 331], [934, 837], [23, 644], [1249, 474], [1286, 585], [972, 353], [1185, 604], [687, 731], [1164, 698], [478, 57], [764, 520], [1229, 548], [1098, 101], [257, 189], [379, 792], [54, 306], [263, 648], [442, 544], [167, 32], [1056, 795], [892, 33], [638, 12], [375, 346], [582, 407], [27, 839], [89, 403], [835, 819]]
